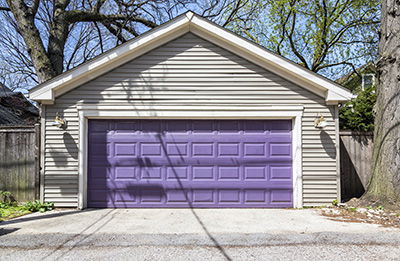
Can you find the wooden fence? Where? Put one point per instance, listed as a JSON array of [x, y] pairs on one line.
[[355, 162], [19, 161]]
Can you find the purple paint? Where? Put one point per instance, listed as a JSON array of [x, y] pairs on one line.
[[190, 163]]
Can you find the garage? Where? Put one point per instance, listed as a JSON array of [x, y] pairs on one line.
[[187, 115], [190, 163]]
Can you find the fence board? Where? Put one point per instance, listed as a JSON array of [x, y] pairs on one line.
[[19, 165], [355, 162]]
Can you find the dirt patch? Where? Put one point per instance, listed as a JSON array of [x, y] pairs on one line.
[[372, 215]]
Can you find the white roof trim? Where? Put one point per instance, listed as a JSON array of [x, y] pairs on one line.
[[189, 22]]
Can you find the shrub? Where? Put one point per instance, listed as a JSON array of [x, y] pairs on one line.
[[6, 200], [358, 114], [38, 206]]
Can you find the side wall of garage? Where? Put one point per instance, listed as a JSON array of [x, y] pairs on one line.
[[188, 71]]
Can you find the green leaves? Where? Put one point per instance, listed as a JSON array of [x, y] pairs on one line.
[[9, 207], [6, 200], [358, 114], [326, 36], [38, 206]]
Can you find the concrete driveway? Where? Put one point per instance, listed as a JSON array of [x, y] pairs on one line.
[[200, 234]]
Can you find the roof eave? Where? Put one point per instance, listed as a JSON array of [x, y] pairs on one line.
[[270, 61], [48, 91]]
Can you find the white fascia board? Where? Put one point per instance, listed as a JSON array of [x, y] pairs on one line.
[[110, 60], [333, 96], [266, 59]]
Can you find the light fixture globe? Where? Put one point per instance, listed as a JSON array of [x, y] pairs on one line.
[[320, 123], [59, 122]]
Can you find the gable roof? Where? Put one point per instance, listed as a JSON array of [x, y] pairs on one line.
[[15, 109], [48, 91], [5, 91]]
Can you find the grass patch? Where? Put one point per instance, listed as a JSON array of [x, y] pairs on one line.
[[9, 207], [10, 212]]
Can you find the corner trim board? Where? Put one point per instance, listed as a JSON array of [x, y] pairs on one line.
[[337, 145], [42, 150]]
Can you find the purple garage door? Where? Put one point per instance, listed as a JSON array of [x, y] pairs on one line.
[[190, 163]]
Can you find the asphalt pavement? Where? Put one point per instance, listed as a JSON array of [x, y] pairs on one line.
[[193, 234]]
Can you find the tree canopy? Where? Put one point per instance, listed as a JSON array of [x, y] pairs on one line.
[[40, 39], [330, 37], [43, 38]]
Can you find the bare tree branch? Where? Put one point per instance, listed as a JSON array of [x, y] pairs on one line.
[[233, 13], [34, 7], [292, 44], [99, 4], [114, 31], [5, 9], [74, 16]]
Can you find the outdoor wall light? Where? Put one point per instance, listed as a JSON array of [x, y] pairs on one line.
[[320, 122], [59, 122]]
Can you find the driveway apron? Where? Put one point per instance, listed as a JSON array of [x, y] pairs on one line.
[[192, 234]]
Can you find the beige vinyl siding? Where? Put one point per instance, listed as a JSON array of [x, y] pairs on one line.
[[190, 71]]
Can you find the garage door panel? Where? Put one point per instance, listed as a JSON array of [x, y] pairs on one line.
[[202, 173], [177, 173], [280, 127], [281, 196], [203, 196], [180, 149], [229, 196], [229, 173], [176, 127], [153, 196], [228, 149], [100, 149], [127, 149], [177, 163], [280, 172], [148, 127], [125, 196], [125, 173], [255, 172], [126, 127], [177, 196], [280, 149], [255, 196], [100, 196], [229, 127], [99, 126]]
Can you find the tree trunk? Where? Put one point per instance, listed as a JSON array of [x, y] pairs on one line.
[[384, 185], [58, 36], [25, 18]]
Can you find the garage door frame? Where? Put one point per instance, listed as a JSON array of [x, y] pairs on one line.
[[129, 111]]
